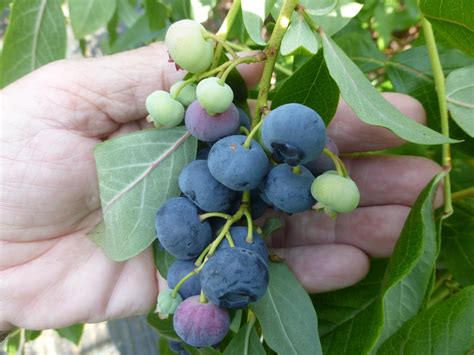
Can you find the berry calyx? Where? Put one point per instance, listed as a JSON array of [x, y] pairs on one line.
[[167, 304]]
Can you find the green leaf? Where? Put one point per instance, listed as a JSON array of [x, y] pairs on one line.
[[72, 333], [164, 327], [87, 16], [180, 9], [368, 104], [342, 306], [299, 39], [31, 335], [236, 320], [460, 96], [253, 12], [246, 342], [4, 4], [361, 49], [319, 7], [458, 242], [338, 18], [127, 12], [310, 85], [405, 286], [157, 14], [272, 224], [201, 351], [453, 21], [286, 314], [36, 35], [446, 328], [137, 173], [13, 342], [137, 35], [163, 259], [164, 348]]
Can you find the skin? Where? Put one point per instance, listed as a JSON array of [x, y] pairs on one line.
[[53, 276]]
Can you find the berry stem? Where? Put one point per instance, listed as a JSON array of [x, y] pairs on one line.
[[224, 30], [244, 130], [201, 257], [183, 280], [248, 216], [182, 86], [340, 167], [228, 236], [205, 216], [258, 57], [272, 49], [443, 109], [221, 41], [252, 133], [202, 297], [462, 194]]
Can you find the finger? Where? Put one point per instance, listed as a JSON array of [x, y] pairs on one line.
[[322, 268], [353, 135], [386, 180], [374, 230], [96, 95]]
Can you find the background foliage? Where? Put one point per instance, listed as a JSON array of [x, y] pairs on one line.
[[419, 300]]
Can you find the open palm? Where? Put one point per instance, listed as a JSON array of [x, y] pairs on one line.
[[52, 275]]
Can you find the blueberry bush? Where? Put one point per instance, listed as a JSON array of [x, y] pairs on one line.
[[196, 186]]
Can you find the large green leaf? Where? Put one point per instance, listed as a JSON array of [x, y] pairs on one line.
[[310, 85], [36, 35], [137, 173], [368, 104], [458, 242], [299, 39], [334, 21], [446, 328], [460, 96], [163, 259], [404, 288], [253, 13], [72, 333], [342, 306], [286, 314], [157, 14], [87, 16], [361, 48], [164, 327], [453, 20], [246, 342], [127, 12]]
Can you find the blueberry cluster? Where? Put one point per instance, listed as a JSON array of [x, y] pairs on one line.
[[222, 259]]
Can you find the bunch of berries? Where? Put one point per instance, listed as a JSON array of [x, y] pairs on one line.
[[222, 259]]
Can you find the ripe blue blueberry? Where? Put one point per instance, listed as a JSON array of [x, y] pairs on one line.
[[294, 133], [244, 119], [176, 346], [208, 128], [178, 270], [203, 153], [235, 166], [197, 183], [200, 324], [258, 206], [239, 235], [323, 163], [179, 229], [234, 277], [289, 191]]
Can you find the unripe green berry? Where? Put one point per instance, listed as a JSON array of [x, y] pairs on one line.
[[165, 111], [167, 304], [187, 95], [214, 96], [188, 47], [335, 192]]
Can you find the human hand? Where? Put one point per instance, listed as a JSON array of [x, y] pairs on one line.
[[53, 275]]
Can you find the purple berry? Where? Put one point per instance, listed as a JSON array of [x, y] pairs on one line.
[[209, 128], [200, 324]]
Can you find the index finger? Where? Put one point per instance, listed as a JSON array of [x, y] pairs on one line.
[[353, 135]]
